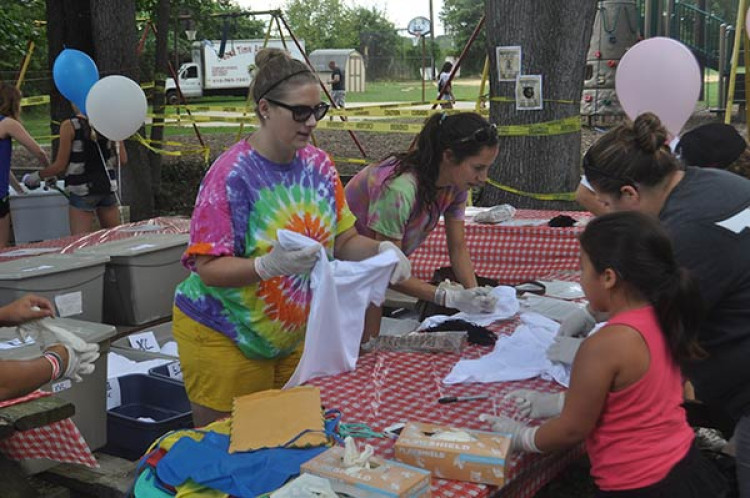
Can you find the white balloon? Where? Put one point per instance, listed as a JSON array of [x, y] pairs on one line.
[[116, 107]]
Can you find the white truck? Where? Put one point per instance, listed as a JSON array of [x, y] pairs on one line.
[[208, 74]]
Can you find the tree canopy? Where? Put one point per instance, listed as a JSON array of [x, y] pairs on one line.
[[460, 17]]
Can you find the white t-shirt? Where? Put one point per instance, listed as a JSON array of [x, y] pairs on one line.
[[341, 293]]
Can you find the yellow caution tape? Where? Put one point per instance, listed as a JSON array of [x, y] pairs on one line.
[[557, 127], [35, 100], [562, 196], [513, 100], [189, 151]]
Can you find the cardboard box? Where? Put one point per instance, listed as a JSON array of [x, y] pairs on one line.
[[481, 460], [386, 478]]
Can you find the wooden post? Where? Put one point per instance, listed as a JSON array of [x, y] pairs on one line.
[[423, 66]]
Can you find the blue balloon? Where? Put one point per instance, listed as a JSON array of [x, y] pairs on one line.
[[75, 73]]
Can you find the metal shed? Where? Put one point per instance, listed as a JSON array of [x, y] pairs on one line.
[[349, 60]]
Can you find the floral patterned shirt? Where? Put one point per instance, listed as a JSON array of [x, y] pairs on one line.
[[389, 206]]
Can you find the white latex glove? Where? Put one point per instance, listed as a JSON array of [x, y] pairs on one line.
[[564, 349], [281, 261], [32, 180], [476, 300], [577, 323], [80, 363], [522, 436], [403, 267], [534, 404], [68, 338]]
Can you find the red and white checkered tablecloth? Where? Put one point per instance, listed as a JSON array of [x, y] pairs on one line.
[[509, 254], [59, 441], [65, 245], [387, 388]]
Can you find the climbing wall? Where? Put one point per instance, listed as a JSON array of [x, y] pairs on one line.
[[615, 30]]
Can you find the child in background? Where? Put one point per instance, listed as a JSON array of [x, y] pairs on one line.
[[10, 127], [625, 391]]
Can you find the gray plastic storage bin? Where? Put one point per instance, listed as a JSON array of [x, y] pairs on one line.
[[73, 284], [88, 396], [39, 214], [163, 334], [141, 276]]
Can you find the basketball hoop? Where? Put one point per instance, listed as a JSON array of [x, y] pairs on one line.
[[419, 26]]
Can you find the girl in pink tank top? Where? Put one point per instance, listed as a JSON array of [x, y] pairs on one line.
[[625, 395]]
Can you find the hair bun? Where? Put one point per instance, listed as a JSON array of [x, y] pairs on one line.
[[650, 134], [265, 55]]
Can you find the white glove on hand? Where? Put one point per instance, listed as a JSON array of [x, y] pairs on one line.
[[403, 267], [564, 349], [80, 363], [68, 338], [522, 436], [534, 404], [476, 300], [281, 261], [32, 180]]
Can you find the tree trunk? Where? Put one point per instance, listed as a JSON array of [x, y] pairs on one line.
[[160, 74], [64, 21], [554, 37], [115, 40]]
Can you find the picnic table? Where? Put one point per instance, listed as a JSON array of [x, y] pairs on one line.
[[522, 249], [388, 388]]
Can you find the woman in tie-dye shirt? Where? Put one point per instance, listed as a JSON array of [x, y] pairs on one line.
[[402, 198], [240, 317]]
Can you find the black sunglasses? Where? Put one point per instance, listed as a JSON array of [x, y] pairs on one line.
[[302, 113], [480, 136]]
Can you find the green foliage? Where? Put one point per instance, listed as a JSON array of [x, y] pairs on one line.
[[331, 24], [460, 18], [17, 28]]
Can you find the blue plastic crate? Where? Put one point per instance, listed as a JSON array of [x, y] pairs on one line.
[[143, 396], [163, 372]]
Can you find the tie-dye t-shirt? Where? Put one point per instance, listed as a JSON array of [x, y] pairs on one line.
[[242, 202], [391, 208]]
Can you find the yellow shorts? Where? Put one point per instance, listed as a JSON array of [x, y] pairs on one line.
[[214, 369]]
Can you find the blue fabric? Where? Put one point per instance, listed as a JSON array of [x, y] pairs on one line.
[[5, 151], [246, 474], [147, 486]]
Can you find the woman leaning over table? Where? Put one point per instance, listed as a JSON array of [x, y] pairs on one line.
[[240, 317], [402, 198], [11, 127]]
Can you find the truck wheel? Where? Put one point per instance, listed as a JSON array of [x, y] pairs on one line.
[[172, 98]]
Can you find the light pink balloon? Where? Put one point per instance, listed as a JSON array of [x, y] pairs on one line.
[[659, 75]]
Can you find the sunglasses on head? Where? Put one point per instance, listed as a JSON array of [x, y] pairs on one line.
[[302, 113], [480, 136]]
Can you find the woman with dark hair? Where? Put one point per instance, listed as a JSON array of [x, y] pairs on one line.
[[402, 198], [625, 395], [240, 316], [11, 128], [706, 212]]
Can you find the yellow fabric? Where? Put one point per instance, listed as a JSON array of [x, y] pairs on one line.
[[272, 418], [215, 371]]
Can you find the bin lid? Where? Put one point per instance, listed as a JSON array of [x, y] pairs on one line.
[[135, 246], [42, 191], [11, 346], [47, 264]]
